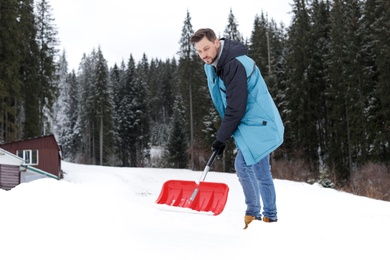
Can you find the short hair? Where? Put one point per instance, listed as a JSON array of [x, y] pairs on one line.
[[201, 33]]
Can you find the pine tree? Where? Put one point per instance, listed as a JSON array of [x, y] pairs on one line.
[[103, 108], [376, 17], [141, 107], [47, 51], [316, 115], [297, 85], [116, 84], [61, 120], [29, 72], [161, 96], [121, 79], [175, 155], [66, 112], [357, 85], [167, 88], [346, 102], [231, 31], [73, 138], [185, 80], [11, 39], [87, 108], [126, 117], [155, 93], [259, 46]]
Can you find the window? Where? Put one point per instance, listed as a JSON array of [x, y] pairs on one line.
[[29, 156]]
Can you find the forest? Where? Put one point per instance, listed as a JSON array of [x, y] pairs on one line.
[[328, 72]]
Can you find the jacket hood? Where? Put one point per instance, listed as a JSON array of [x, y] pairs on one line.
[[231, 50]]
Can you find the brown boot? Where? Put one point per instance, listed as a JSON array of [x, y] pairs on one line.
[[267, 219], [248, 219]]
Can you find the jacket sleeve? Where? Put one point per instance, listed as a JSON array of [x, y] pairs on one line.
[[234, 77]]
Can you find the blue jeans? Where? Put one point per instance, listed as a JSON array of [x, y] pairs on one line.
[[257, 184]]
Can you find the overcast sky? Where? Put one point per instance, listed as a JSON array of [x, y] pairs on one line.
[[153, 27]]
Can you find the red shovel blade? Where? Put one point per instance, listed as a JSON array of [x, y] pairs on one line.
[[205, 196]]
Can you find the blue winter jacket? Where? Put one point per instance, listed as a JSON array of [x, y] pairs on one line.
[[241, 97]]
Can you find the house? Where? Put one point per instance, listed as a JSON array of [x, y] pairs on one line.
[[41, 156], [13, 171]]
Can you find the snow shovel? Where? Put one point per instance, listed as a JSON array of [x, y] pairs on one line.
[[200, 196]]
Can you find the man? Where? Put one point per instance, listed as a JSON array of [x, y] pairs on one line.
[[249, 115]]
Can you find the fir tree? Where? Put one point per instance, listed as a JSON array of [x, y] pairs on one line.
[[29, 72], [120, 80], [47, 51], [297, 86], [116, 84], [127, 117], [258, 48], [316, 114], [185, 80], [87, 108], [346, 102], [141, 106], [103, 108], [231, 31], [175, 155], [11, 41], [376, 17], [61, 120], [168, 87], [73, 139]]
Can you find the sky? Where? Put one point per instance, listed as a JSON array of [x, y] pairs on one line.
[[151, 27], [98, 212]]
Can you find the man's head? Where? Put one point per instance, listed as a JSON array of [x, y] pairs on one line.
[[206, 44]]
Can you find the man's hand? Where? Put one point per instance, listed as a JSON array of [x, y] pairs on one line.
[[218, 146]]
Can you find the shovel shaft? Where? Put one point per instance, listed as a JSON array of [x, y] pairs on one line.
[[208, 165]]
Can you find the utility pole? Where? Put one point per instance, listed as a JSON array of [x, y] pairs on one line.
[[192, 129], [269, 53]]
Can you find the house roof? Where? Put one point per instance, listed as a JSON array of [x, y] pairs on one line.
[[28, 167], [33, 138], [9, 158]]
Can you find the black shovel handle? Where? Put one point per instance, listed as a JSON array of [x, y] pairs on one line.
[[212, 158], [208, 165]]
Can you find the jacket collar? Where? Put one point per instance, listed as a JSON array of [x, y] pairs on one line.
[[222, 41]]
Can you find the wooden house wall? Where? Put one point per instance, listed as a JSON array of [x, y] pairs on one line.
[[9, 176]]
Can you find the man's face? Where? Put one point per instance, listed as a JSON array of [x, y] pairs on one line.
[[207, 50]]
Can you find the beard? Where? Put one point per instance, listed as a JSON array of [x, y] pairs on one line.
[[216, 55]]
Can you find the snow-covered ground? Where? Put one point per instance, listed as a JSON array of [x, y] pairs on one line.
[[110, 213]]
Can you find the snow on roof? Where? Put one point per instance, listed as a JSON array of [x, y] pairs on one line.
[[9, 158]]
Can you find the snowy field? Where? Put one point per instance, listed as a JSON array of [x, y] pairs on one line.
[[110, 213]]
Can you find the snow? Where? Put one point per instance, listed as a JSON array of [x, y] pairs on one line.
[[100, 212]]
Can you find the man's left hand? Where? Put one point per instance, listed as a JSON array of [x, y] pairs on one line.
[[218, 146]]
